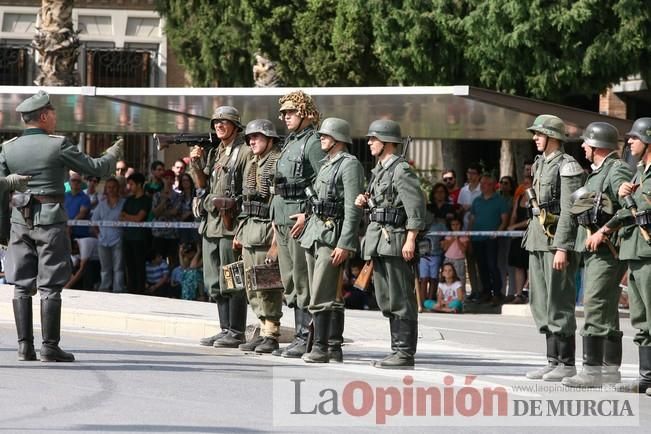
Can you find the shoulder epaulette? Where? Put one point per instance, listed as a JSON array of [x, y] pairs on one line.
[[570, 167]]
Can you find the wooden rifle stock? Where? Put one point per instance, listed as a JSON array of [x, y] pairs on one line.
[[364, 279]]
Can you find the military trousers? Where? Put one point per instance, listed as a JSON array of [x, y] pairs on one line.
[[326, 280], [38, 258], [394, 282], [601, 294], [266, 305], [217, 252], [639, 299], [552, 294], [293, 268]]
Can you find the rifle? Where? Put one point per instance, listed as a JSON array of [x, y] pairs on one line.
[[204, 140], [630, 204]]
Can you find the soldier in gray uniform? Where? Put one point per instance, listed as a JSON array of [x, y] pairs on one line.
[[595, 203], [39, 247], [299, 162], [550, 239], [219, 175], [635, 247], [331, 236], [397, 214], [255, 233]]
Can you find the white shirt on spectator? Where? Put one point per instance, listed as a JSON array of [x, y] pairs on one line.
[[466, 197]]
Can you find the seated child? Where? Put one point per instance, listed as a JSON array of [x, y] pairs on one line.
[[450, 292]]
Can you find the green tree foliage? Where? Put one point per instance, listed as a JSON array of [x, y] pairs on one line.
[[547, 49]]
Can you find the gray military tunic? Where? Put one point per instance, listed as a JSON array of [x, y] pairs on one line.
[[394, 186], [297, 166], [217, 240], [339, 181], [553, 292], [39, 251], [603, 271]]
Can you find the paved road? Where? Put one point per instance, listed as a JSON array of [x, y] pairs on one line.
[[130, 383]]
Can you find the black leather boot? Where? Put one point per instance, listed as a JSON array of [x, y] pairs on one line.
[[319, 352], [336, 336], [252, 344], [644, 381], [406, 344], [552, 359], [566, 358], [24, 328], [237, 309], [298, 319], [51, 330], [222, 309], [299, 349], [591, 373], [612, 359]]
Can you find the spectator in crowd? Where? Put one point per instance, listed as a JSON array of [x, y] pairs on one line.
[[431, 253], [450, 180], [121, 168], [519, 257], [155, 183], [489, 212], [354, 298], [179, 169], [92, 193], [166, 207], [136, 208], [455, 248], [77, 206], [439, 204], [85, 264], [187, 278], [450, 292], [527, 172], [467, 195], [110, 238], [506, 189], [186, 193], [157, 272]]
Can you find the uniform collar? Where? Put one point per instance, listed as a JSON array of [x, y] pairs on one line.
[[389, 161], [304, 132], [32, 131], [330, 160], [262, 160], [553, 155], [596, 168]]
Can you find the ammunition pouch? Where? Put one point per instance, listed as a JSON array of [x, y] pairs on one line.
[[327, 209], [291, 190], [255, 208], [22, 201], [643, 218], [588, 218], [227, 210], [553, 206], [390, 216]]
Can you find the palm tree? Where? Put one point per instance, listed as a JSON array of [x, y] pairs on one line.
[[57, 44]]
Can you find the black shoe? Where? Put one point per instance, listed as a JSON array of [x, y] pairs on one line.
[[397, 360], [335, 354], [210, 340], [278, 352], [251, 345], [267, 346], [231, 340], [296, 351]]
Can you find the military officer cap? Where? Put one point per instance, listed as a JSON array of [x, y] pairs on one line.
[[550, 126], [336, 128], [385, 130], [601, 135], [35, 102], [229, 113], [641, 130], [262, 126]]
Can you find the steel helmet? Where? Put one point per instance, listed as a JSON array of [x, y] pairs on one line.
[[262, 126], [549, 125], [226, 112], [385, 130], [336, 128], [601, 135], [641, 130]]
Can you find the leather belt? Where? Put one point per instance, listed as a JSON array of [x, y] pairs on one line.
[[53, 198]]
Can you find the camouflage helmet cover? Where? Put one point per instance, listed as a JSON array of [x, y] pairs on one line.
[[262, 126], [601, 135], [336, 128], [302, 103], [229, 113], [385, 130], [549, 125], [641, 130]]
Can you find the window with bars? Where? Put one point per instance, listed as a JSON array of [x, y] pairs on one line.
[[13, 66]]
